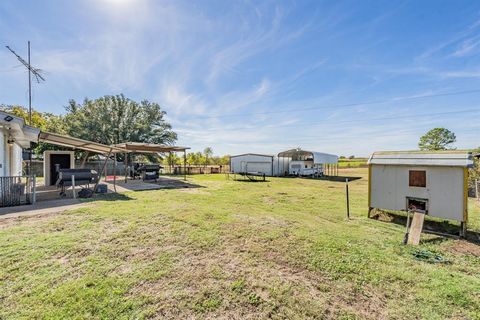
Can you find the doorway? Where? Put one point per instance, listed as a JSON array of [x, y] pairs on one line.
[[60, 161]]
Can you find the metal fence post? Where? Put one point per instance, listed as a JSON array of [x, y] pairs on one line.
[[34, 189], [73, 187]]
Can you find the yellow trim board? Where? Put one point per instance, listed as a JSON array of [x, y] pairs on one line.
[[369, 186], [465, 195]]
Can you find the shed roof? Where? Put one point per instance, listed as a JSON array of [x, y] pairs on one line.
[[76, 143], [451, 158], [318, 157], [252, 154], [140, 147]]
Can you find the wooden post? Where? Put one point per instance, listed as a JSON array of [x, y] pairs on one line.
[[463, 229], [73, 187], [348, 199], [369, 190]]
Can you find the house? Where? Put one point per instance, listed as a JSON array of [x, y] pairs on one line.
[[14, 136], [434, 183]]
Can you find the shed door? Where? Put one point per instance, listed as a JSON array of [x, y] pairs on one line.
[[63, 160]]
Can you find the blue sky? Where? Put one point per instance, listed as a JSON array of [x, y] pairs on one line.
[[345, 77]]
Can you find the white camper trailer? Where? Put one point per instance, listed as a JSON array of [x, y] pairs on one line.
[[434, 183]]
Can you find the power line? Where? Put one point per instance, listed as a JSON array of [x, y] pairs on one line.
[[342, 105], [316, 123]]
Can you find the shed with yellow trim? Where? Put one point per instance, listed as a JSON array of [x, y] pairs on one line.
[[433, 182]]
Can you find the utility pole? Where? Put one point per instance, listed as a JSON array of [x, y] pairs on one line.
[[29, 89]]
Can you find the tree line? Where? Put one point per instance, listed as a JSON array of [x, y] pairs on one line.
[[110, 119]]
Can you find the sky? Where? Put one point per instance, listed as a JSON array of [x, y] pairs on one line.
[[342, 77]]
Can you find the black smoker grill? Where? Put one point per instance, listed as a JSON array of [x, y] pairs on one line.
[[149, 171], [83, 177]]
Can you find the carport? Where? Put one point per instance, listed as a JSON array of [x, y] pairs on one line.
[[150, 148], [80, 144]]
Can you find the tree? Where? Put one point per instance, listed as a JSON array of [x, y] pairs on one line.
[[208, 152], [474, 173], [116, 119], [44, 121], [437, 139]]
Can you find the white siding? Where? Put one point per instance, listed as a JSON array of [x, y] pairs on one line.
[[444, 189], [16, 164], [281, 166], [3, 154]]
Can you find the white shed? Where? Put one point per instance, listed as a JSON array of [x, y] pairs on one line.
[[252, 162], [434, 183]]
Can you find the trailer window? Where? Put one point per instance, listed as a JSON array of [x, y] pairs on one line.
[[417, 178]]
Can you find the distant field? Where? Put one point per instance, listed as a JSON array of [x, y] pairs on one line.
[[232, 250], [352, 163]]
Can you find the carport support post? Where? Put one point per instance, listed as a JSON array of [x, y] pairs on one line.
[[125, 165], [115, 172], [185, 165], [103, 169]]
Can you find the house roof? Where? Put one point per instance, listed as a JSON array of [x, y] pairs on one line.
[[452, 158], [318, 157], [20, 133]]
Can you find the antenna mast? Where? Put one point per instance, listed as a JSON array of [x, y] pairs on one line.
[[31, 70]]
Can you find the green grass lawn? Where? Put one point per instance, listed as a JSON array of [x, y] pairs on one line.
[[235, 250]]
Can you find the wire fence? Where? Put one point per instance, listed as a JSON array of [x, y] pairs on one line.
[[17, 190]]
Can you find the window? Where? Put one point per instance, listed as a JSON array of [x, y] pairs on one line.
[[417, 178]]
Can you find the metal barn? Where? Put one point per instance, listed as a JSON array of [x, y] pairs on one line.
[[308, 163], [434, 183], [252, 162]]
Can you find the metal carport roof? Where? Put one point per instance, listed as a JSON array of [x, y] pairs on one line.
[[318, 157], [139, 147], [76, 143]]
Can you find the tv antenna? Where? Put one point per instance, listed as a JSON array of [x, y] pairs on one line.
[[31, 70]]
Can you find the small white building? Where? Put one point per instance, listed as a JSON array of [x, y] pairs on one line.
[[252, 162], [434, 183], [14, 137]]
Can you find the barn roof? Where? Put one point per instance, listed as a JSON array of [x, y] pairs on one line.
[[450, 158], [252, 154], [318, 157]]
